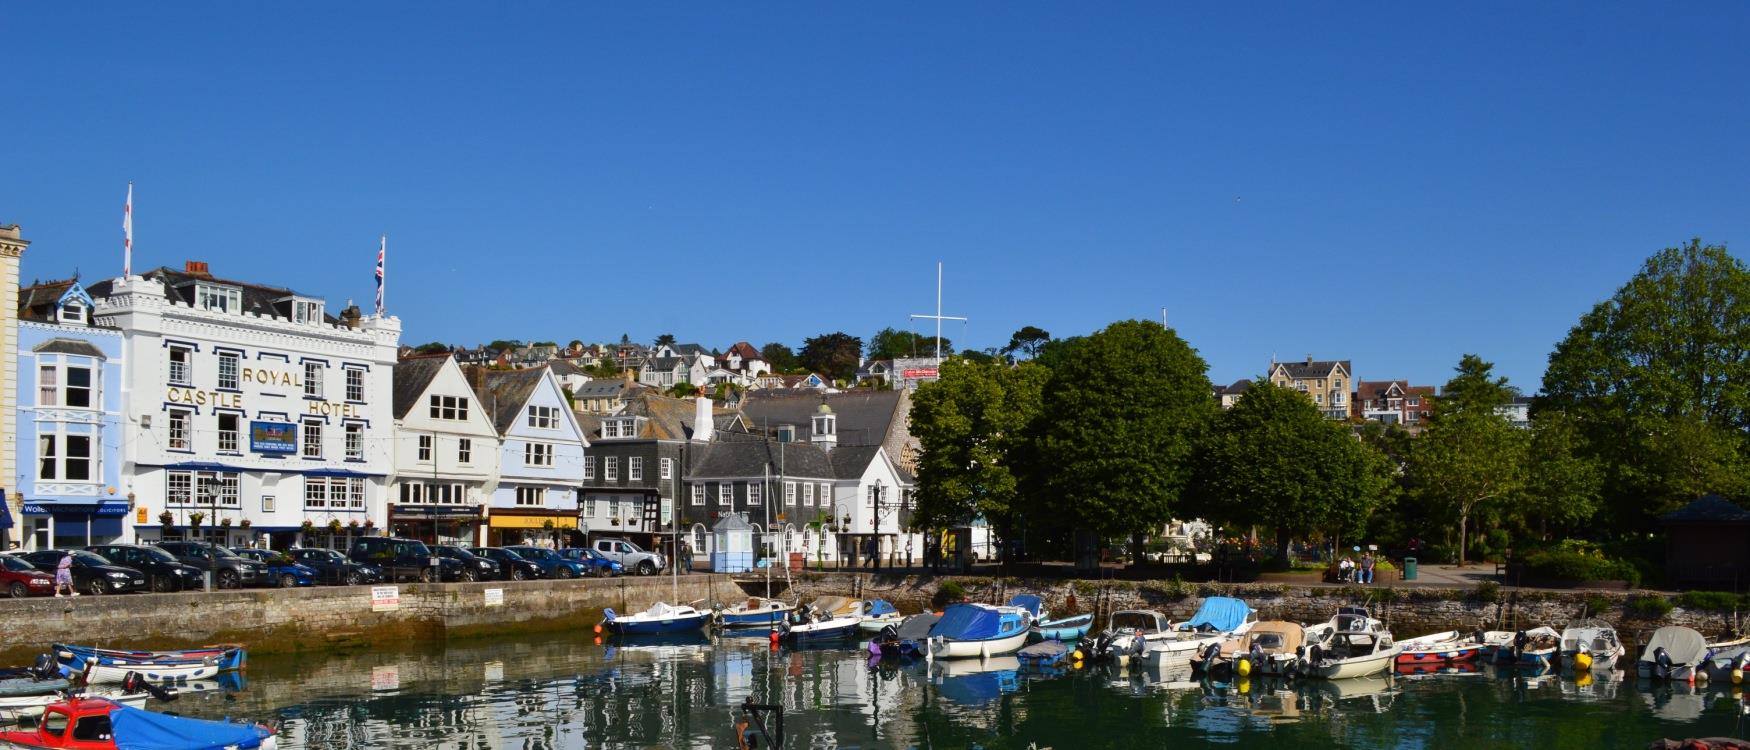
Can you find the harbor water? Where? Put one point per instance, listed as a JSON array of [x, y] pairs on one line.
[[559, 692]]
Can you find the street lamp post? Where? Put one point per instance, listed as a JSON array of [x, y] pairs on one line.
[[207, 487], [875, 521]]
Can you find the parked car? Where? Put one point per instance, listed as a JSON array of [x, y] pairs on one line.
[[19, 579], [629, 555], [282, 570], [399, 559], [471, 568], [230, 571], [599, 564], [163, 571], [91, 573], [552, 565], [511, 566], [332, 567]]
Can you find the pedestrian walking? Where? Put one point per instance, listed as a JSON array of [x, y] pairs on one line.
[[683, 559], [64, 575], [908, 550]]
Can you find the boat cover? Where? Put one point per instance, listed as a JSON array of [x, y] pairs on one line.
[[1220, 613], [836, 605], [1683, 645], [880, 607], [21, 686], [969, 622], [1274, 637], [138, 729], [1027, 602], [917, 627], [1044, 651]]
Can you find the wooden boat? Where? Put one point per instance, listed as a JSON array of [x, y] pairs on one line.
[[661, 617], [1438, 648], [1062, 629], [878, 614], [106, 666], [102, 724], [1352, 644], [1271, 647], [755, 612], [1591, 645], [1128, 634], [1674, 653], [978, 630]]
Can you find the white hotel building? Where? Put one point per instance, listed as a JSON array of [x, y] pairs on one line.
[[252, 405]]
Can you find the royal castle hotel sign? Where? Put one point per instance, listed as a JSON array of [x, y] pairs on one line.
[[250, 404]]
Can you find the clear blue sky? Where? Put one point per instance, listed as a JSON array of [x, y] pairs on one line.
[[1389, 183]]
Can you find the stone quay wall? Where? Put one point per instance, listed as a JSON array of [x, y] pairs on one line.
[[329, 617]]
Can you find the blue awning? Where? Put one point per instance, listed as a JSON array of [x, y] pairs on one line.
[[341, 473], [5, 512], [205, 466]]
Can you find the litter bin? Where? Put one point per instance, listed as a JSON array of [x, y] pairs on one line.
[[1409, 568]]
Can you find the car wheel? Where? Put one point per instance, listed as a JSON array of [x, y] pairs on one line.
[[18, 590], [565, 571], [94, 587], [228, 579], [352, 579], [426, 575], [468, 576], [163, 584], [517, 574], [287, 581], [646, 568]]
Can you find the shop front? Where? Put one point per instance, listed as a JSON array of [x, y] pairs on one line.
[[542, 528], [60, 523], [437, 524]]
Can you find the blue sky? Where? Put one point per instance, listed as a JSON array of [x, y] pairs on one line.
[[1392, 183]]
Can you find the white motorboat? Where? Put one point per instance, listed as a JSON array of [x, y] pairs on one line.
[[1271, 647], [1184, 647], [660, 618], [755, 612], [978, 631], [1352, 644], [1674, 653], [828, 618], [1128, 633], [1591, 645], [878, 614]]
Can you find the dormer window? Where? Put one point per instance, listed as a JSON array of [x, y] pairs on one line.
[[72, 311], [218, 298], [786, 433], [306, 312]]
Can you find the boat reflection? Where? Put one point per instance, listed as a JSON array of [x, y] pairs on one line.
[[975, 682]]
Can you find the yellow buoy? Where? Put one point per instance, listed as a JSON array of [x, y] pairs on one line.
[[1737, 676], [1583, 679], [1076, 654], [1582, 660], [1244, 667], [1077, 664], [1244, 685]]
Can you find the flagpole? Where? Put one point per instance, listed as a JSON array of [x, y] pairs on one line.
[[128, 233], [382, 260]]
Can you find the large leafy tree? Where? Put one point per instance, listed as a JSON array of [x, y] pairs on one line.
[[973, 426], [1471, 459], [781, 357], [1029, 341], [1273, 460], [1123, 412], [892, 343], [434, 347], [832, 354], [666, 339], [1562, 484]]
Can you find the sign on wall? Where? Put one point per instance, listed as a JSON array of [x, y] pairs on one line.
[[385, 598], [273, 437], [495, 597]]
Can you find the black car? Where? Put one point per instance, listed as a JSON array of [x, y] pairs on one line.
[[401, 559], [230, 569], [91, 573], [471, 568], [163, 572], [333, 567], [511, 566]]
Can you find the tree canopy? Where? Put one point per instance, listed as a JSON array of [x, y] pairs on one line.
[[499, 345], [1471, 458], [666, 339], [834, 354], [892, 343], [433, 347], [972, 425], [782, 358], [1029, 341]]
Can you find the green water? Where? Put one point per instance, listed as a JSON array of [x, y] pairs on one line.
[[568, 692]]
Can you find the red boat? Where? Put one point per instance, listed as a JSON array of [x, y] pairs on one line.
[[1438, 649], [97, 724]]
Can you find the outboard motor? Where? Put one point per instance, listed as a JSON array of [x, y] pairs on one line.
[[1210, 654], [1314, 654], [1661, 663], [45, 668], [134, 682]]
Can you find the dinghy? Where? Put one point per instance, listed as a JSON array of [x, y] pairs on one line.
[[829, 618], [102, 724], [107, 666], [661, 617], [1062, 629], [1673, 653], [978, 630], [1128, 634], [755, 612], [1591, 645], [1536, 647], [879, 614], [1438, 649]]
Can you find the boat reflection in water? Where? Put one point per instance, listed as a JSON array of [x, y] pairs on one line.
[[975, 682]]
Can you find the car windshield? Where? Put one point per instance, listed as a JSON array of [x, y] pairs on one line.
[[157, 555], [594, 555], [13, 563], [536, 553], [318, 555], [89, 558]]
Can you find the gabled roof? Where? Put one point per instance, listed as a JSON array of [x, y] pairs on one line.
[[752, 457], [744, 350], [607, 388], [412, 376], [255, 298], [864, 416], [690, 349], [502, 393], [1708, 509], [1238, 387], [563, 368], [38, 301], [1317, 368]]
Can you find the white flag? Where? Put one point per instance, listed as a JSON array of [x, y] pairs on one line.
[[128, 234]]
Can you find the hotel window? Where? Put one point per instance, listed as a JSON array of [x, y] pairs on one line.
[[355, 384], [336, 493], [178, 429], [313, 379], [808, 494], [228, 365], [355, 440], [725, 493], [315, 492], [449, 407], [178, 488], [544, 417], [228, 433], [66, 385], [424, 448], [185, 488], [312, 439], [218, 298], [789, 493], [698, 494], [306, 312], [65, 457], [611, 468], [180, 371], [589, 468], [535, 496], [755, 494], [538, 454], [464, 451], [667, 468]]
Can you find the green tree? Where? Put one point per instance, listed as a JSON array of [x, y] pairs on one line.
[[575, 345], [1274, 460], [780, 357], [666, 339], [1122, 415], [434, 347], [832, 354], [1562, 484], [1471, 458], [981, 357], [1029, 341], [499, 345], [892, 343], [972, 425]]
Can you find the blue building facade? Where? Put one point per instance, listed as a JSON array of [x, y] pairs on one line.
[[68, 421]]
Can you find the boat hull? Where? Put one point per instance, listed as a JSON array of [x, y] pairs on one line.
[[943, 648], [635, 625], [1443, 655], [1361, 666], [836, 629], [751, 619], [15, 707], [1067, 629], [875, 624]]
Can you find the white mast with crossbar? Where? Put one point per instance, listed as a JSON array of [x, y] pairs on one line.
[[938, 317]]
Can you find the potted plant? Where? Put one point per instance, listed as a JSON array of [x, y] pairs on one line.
[[245, 523], [225, 522], [308, 526], [166, 518], [370, 524], [353, 524], [334, 526], [195, 518]]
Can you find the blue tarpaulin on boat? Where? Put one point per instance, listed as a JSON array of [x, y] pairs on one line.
[[1027, 602], [968, 622], [136, 729], [880, 607], [1221, 613]]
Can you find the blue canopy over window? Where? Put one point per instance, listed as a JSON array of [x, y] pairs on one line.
[[1219, 613]]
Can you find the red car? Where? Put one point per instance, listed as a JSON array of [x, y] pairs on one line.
[[19, 579]]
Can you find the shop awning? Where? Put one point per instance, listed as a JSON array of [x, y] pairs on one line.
[[533, 522], [205, 466], [340, 473]]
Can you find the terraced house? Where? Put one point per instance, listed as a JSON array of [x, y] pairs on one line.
[[540, 461], [446, 454]]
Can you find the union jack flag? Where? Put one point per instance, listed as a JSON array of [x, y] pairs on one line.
[[382, 249]]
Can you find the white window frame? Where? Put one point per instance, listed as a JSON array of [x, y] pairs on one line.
[[425, 448], [230, 441], [464, 450], [71, 311], [531, 497], [313, 379], [667, 465], [223, 299], [610, 468], [635, 469], [698, 493], [310, 438], [453, 408], [725, 493], [180, 372], [790, 494], [54, 454], [589, 468], [231, 380], [544, 417], [189, 495], [176, 426], [755, 494], [825, 494], [355, 440], [55, 383], [538, 454], [307, 312], [355, 384], [808, 494]]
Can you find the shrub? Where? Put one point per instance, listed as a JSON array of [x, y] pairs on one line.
[[1567, 564], [1650, 607], [1176, 588], [948, 593], [1715, 600], [1486, 591], [1596, 604]]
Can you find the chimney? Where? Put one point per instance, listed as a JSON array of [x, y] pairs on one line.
[[1309, 359], [703, 425], [350, 317], [196, 268], [826, 427]]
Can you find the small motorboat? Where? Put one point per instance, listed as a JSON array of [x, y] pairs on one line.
[[905, 640], [1128, 634], [107, 666], [1352, 644], [829, 618], [970, 630], [1591, 645], [1184, 649], [661, 617], [1045, 656], [1063, 628], [1726, 656], [755, 612], [1270, 648], [103, 724], [1438, 648], [878, 614], [1674, 653], [1537, 647], [1223, 618]]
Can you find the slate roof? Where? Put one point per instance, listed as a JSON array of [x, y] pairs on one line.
[[412, 376], [502, 393], [256, 298], [37, 301], [1708, 509], [68, 346], [606, 388], [749, 457], [1238, 387], [848, 462], [746, 351], [864, 416], [563, 368], [1317, 368], [690, 349]]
